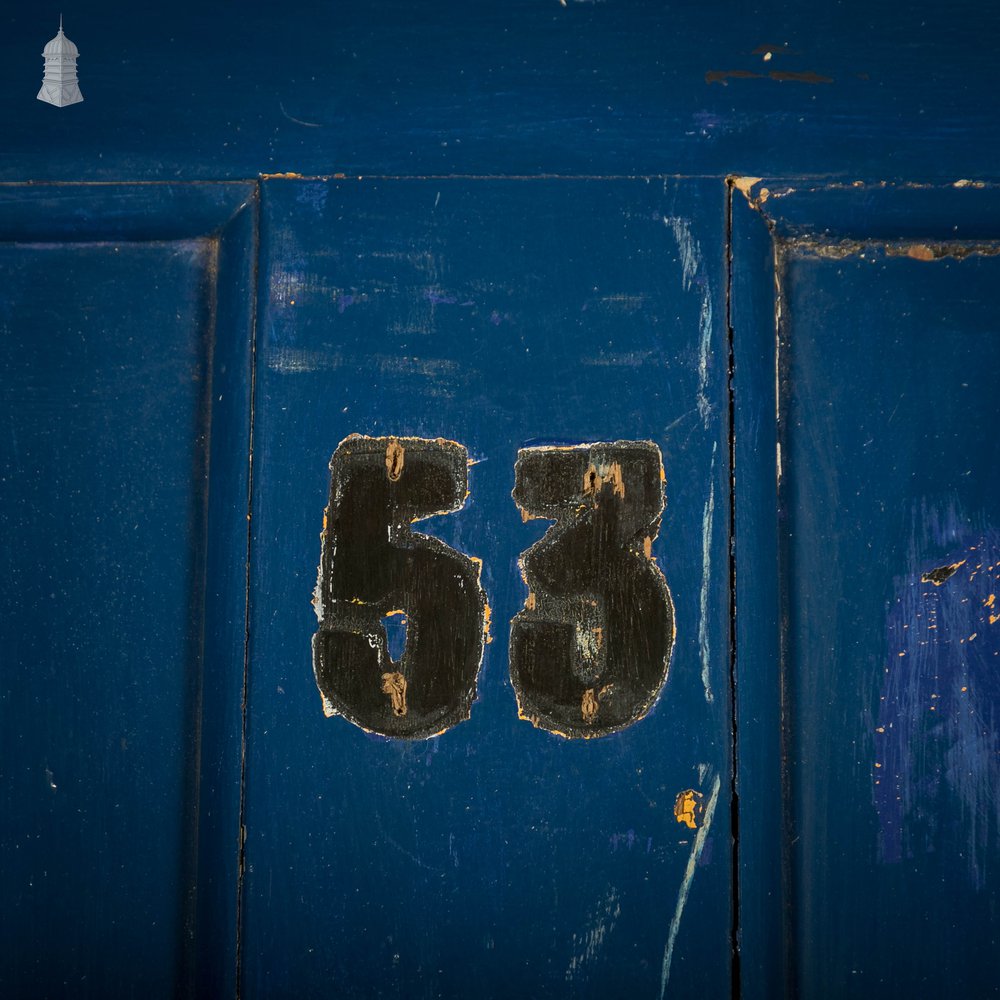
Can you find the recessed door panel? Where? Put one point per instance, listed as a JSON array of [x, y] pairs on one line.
[[119, 825], [563, 340], [884, 718]]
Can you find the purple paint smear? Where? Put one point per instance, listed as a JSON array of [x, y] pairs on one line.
[[628, 840], [937, 746], [625, 841]]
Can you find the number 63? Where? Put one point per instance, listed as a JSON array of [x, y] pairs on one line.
[[589, 651]]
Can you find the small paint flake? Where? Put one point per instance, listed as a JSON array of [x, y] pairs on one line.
[[689, 808]]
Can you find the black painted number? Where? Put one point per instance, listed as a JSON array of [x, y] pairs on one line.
[[590, 651], [374, 569]]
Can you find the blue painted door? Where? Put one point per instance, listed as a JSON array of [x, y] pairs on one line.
[[498, 858], [188, 808], [190, 804]]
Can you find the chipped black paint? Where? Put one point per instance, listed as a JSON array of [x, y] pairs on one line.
[[373, 564], [590, 651], [939, 574]]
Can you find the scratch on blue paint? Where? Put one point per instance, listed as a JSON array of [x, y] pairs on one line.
[[696, 849], [409, 854], [298, 121], [936, 773], [706, 578]]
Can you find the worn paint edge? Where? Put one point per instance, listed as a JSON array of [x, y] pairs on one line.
[[913, 249]]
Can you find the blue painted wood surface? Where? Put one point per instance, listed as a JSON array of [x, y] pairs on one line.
[[829, 103], [496, 859], [885, 590], [763, 941], [506, 87], [124, 386]]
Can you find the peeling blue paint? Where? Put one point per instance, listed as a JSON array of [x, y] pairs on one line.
[[937, 738]]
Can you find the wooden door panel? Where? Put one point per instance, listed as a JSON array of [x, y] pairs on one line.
[[120, 356], [885, 460], [496, 859]]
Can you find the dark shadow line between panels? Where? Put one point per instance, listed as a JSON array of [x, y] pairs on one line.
[[241, 848], [734, 810]]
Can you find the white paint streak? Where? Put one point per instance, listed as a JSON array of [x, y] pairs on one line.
[[706, 578], [704, 351], [587, 946], [691, 261], [689, 250], [443, 372], [696, 848]]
